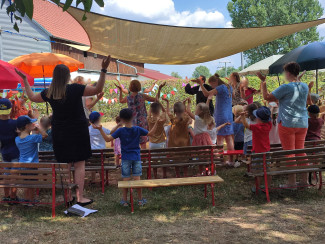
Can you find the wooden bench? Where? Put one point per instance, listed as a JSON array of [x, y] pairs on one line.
[[38, 176], [102, 160], [203, 180], [278, 147], [279, 163], [182, 157]]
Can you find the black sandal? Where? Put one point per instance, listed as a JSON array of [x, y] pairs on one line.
[[82, 204], [70, 203]]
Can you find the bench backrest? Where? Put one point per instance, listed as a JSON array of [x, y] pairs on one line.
[[182, 156], [97, 155], [278, 147], [34, 174], [289, 160]]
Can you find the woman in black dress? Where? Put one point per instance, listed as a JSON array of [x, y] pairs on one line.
[[71, 143]]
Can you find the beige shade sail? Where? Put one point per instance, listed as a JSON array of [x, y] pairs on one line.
[[162, 44]]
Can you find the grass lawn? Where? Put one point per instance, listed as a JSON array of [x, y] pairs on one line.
[[178, 215]]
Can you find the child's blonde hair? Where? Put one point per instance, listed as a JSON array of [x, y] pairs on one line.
[[237, 110], [205, 113], [179, 108]]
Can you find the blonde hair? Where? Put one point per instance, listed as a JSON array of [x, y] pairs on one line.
[[237, 110], [79, 80], [179, 108], [61, 77], [204, 113]]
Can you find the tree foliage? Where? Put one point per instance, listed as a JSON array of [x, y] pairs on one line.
[[21, 8], [201, 70], [256, 13], [176, 75], [222, 72]]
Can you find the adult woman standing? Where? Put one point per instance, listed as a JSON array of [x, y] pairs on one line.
[[71, 143], [293, 116], [223, 109]]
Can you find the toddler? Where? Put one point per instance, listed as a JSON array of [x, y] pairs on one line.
[[250, 119], [314, 124], [47, 143]]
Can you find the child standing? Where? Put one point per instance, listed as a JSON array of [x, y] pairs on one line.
[[260, 132], [314, 124], [247, 93], [47, 143], [117, 145], [96, 139], [238, 131], [250, 119], [130, 145], [178, 132], [158, 139], [202, 120], [9, 150], [28, 147]]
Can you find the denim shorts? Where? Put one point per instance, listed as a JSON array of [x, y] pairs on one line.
[[15, 160], [131, 165], [246, 144]]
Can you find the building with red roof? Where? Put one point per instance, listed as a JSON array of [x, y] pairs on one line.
[[150, 74]]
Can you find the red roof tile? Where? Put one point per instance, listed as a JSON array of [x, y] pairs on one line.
[[156, 75], [60, 24]]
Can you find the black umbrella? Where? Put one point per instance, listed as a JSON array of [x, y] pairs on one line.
[[309, 57]]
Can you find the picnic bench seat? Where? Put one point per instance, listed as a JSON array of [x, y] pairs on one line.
[[102, 160], [182, 156], [203, 180], [37, 175], [287, 162]]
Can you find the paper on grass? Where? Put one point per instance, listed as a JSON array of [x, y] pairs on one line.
[[81, 211]]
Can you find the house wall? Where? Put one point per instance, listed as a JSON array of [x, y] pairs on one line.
[[93, 63], [14, 45]]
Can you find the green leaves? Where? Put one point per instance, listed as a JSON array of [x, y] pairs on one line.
[[67, 5], [201, 70], [100, 3], [29, 8]]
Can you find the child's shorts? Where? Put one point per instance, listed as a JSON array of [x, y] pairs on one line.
[[131, 165], [246, 144]]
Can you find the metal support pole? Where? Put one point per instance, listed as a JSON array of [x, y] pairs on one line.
[[317, 81]]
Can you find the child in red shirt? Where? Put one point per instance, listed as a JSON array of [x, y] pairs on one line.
[[315, 124], [261, 131]]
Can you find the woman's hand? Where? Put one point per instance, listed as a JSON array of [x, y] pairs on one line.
[[261, 76], [100, 95], [22, 75], [301, 75], [311, 85], [210, 97], [106, 61], [161, 85]]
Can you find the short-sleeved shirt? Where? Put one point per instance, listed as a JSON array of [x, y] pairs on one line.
[[28, 148], [238, 132], [314, 129], [261, 139], [248, 133], [199, 126], [130, 141], [249, 91], [292, 104], [96, 139], [160, 135], [47, 143], [8, 134]]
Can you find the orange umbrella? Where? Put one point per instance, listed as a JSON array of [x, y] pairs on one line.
[[40, 65]]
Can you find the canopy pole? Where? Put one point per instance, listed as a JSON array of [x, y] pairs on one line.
[[317, 81], [47, 106], [278, 79]]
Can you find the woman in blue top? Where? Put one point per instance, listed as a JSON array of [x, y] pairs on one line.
[[223, 109], [293, 115]]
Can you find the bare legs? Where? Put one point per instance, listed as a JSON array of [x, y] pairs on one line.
[[230, 143], [79, 178], [125, 190]]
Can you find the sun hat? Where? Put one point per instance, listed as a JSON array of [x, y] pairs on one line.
[[263, 113], [24, 120], [5, 106]]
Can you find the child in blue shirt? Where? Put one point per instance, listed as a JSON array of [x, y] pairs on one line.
[[130, 147], [9, 150], [28, 146]]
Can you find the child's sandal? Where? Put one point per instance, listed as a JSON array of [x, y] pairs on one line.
[[142, 202], [124, 203]]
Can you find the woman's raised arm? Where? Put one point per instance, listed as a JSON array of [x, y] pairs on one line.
[[34, 97], [93, 90]]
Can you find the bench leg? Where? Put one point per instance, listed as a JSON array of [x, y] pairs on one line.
[[53, 201], [66, 197], [256, 186], [320, 180], [212, 194], [107, 177], [131, 200], [266, 189], [205, 191]]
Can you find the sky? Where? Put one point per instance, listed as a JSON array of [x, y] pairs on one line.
[[192, 13]]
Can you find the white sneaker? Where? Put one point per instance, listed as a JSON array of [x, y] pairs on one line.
[[237, 164]]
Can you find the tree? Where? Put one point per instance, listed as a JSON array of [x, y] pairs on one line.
[[201, 70], [222, 72], [256, 13], [176, 75], [21, 8]]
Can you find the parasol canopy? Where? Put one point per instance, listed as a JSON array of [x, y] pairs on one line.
[[261, 66], [9, 79], [40, 65]]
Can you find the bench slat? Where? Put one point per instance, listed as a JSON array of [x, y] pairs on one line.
[[170, 182]]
